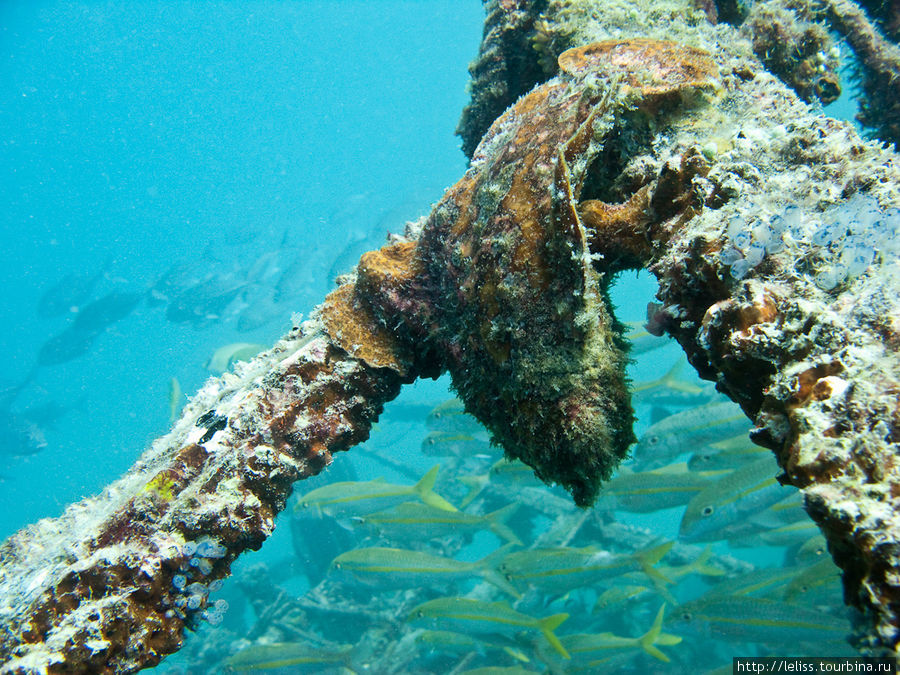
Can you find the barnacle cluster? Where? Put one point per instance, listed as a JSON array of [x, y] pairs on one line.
[[748, 243], [839, 244], [191, 594]]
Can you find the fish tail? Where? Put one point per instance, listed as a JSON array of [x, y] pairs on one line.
[[648, 640], [426, 482], [492, 559], [498, 525], [425, 489], [649, 557], [654, 651], [660, 581], [547, 626], [475, 484], [700, 567]]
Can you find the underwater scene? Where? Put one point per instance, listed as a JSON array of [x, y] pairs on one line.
[[183, 182]]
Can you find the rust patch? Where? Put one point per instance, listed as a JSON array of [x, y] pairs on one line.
[[352, 324], [617, 231], [653, 67], [805, 383]]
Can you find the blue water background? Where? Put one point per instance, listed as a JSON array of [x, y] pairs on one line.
[[147, 133], [137, 135]]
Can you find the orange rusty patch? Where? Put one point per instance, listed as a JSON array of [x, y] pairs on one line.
[[619, 229], [461, 195], [531, 101], [654, 67], [528, 249], [742, 316], [352, 324], [762, 310], [806, 382], [388, 268]]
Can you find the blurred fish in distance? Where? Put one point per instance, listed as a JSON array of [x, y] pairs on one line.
[[227, 355], [70, 293], [671, 389]]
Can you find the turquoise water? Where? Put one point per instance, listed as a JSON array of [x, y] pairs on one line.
[[258, 148], [137, 136]]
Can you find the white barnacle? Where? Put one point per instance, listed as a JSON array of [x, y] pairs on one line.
[[831, 277], [742, 240], [827, 233], [755, 254], [857, 258], [730, 255], [740, 269]]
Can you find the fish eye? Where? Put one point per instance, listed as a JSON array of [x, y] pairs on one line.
[[653, 440], [337, 565], [686, 616], [707, 511]]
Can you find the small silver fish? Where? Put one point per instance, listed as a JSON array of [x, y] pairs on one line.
[[563, 569], [456, 444], [451, 417], [346, 499], [685, 431], [403, 568], [672, 390], [225, 357], [744, 619], [480, 617], [298, 656], [725, 455], [728, 506], [649, 491], [420, 522]]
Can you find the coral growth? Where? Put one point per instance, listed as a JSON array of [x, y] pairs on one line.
[[507, 294], [796, 49], [153, 546], [879, 66], [505, 69]]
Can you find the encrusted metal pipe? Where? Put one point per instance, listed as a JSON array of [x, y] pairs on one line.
[[110, 585]]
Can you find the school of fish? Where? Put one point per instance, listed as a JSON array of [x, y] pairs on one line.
[[460, 561]]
